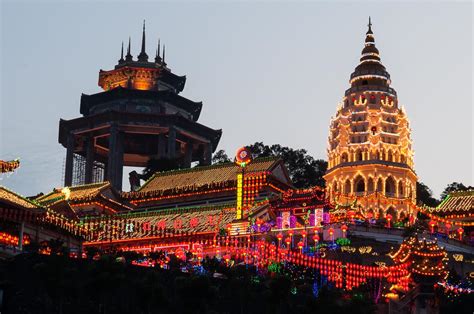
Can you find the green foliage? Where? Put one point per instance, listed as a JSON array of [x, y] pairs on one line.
[[454, 187], [220, 157], [304, 170], [424, 195]]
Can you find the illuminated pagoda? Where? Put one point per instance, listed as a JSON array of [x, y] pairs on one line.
[[139, 115], [370, 154]]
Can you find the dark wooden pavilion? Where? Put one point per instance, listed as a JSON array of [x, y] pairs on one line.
[[138, 116]]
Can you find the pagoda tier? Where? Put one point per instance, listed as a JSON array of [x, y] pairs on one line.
[[139, 116], [369, 146]]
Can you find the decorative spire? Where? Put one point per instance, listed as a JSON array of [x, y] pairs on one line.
[[143, 57], [121, 60], [157, 57], [129, 57], [164, 55], [369, 31]]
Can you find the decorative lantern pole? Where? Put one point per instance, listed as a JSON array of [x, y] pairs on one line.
[[242, 158]]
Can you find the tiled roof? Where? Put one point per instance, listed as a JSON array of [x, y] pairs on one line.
[[202, 176], [77, 193], [15, 199], [192, 220], [456, 203]]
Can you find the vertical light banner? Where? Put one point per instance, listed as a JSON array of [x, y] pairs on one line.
[[240, 177]]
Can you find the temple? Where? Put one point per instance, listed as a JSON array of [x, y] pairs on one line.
[[370, 154], [139, 115]]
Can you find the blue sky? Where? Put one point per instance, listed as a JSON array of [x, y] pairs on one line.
[[266, 71]]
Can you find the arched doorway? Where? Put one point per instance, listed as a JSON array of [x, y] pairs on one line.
[[390, 187], [379, 185], [359, 185]]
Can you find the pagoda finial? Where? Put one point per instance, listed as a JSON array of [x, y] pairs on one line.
[[129, 57], [121, 60], [369, 31], [164, 54], [157, 57], [143, 56]]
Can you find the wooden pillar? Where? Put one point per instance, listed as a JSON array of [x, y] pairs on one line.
[[20, 237], [161, 145], [207, 158], [188, 157], [172, 143], [115, 157], [69, 160], [89, 159]]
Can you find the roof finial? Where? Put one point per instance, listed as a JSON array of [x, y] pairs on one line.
[[143, 56], [164, 54], [129, 57], [121, 55], [369, 31], [157, 57]]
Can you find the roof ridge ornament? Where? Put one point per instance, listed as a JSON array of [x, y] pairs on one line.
[[157, 57], [129, 57], [143, 57], [121, 60]]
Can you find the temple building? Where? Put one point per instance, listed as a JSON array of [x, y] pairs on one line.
[[370, 153], [139, 115]]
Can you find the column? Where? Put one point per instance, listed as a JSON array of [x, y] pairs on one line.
[[20, 237], [161, 145], [188, 157], [115, 157], [69, 160], [207, 158], [172, 143], [89, 159]]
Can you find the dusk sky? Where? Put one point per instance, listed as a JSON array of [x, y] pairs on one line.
[[270, 72]]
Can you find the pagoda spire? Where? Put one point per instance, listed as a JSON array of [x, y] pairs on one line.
[[143, 56], [369, 31], [164, 55], [121, 60], [129, 57], [157, 57]]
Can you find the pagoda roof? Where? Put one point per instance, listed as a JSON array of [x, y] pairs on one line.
[[13, 199], [457, 203], [101, 119], [96, 193], [77, 193], [207, 176], [119, 93]]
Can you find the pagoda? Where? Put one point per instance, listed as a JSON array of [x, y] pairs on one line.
[[370, 154], [138, 116]]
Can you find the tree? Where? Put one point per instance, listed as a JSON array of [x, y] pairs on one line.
[[304, 170], [424, 195], [220, 157], [454, 187]]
